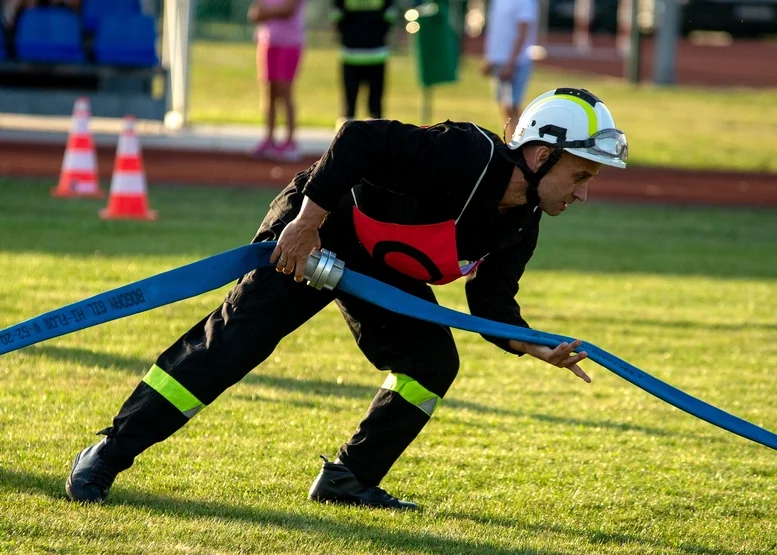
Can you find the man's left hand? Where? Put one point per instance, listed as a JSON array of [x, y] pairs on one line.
[[563, 356]]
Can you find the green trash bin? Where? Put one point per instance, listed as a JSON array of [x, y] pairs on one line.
[[213, 10], [437, 44]]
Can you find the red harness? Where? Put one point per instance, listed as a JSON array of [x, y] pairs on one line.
[[423, 252]]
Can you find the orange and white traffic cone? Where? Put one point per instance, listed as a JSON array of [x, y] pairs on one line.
[[78, 177], [128, 197]]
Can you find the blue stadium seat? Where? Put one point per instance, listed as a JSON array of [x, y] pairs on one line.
[[49, 35], [126, 41], [93, 11]]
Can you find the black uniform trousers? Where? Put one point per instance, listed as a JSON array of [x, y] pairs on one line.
[[353, 77], [262, 308]]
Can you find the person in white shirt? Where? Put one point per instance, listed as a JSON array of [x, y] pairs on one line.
[[511, 28]]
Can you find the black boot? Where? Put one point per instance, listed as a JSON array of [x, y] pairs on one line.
[[337, 484], [91, 477]]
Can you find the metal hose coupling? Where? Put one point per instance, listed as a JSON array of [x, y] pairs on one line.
[[323, 269]]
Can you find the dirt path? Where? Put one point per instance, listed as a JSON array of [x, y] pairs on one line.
[[742, 63], [213, 168]]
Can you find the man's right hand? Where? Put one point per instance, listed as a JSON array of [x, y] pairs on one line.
[[298, 240]]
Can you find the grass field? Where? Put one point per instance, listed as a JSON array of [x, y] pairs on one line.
[[667, 126], [521, 458]]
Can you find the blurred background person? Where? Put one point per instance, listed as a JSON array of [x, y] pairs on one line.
[[511, 28], [362, 28], [280, 39]]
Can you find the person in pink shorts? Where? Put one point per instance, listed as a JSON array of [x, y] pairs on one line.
[[280, 37]]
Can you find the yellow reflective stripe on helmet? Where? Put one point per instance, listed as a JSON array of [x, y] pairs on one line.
[[412, 392], [169, 388], [593, 122]]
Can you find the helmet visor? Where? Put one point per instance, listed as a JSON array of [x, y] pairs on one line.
[[608, 143], [611, 143]]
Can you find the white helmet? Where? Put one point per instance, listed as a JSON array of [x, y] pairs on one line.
[[575, 120]]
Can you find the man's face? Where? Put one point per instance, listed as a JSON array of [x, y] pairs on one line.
[[565, 183]]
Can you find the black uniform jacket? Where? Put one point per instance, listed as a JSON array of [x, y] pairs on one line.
[[363, 24], [404, 174]]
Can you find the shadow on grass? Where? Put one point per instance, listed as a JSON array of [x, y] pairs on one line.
[[628, 323], [310, 524], [333, 389], [191, 222], [595, 537], [53, 487], [88, 357], [619, 238], [320, 388]]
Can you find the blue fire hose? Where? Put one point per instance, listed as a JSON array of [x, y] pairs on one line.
[[216, 271]]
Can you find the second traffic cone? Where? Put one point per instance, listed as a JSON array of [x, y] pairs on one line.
[[128, 197], [78, 177]]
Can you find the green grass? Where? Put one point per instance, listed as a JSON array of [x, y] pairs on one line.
[[667, 126], [521, 458]]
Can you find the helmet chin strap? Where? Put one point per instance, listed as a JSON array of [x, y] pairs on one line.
[[531, 177]]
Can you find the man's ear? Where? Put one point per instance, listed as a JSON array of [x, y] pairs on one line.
[[541, 155], [535, 156]]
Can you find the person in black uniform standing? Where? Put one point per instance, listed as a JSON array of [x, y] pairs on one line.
[[363, 27], [410, 206]]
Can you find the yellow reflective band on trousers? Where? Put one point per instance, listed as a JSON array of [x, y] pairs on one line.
[[167, 386], [412, 392]]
